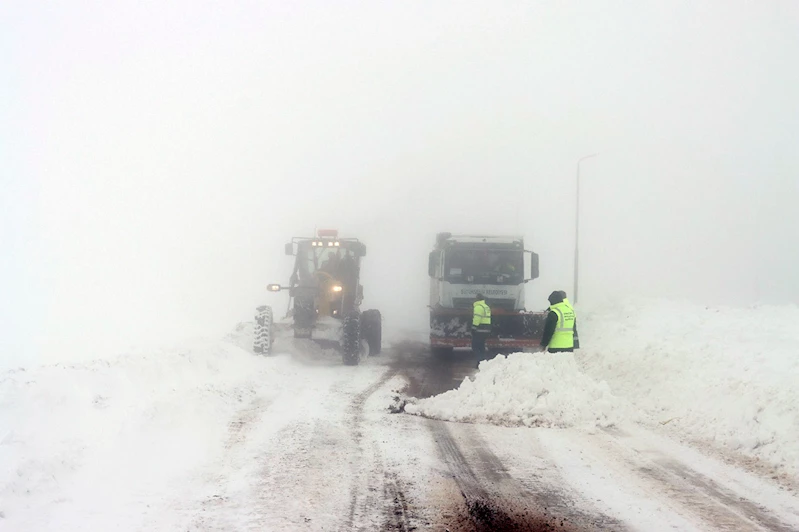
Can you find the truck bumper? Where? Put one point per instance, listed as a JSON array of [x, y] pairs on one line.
[[510, 330], [491, 342]]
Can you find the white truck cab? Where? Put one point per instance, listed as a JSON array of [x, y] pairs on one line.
[[460, 267]]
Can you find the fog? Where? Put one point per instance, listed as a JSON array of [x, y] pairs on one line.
[[156, 156]]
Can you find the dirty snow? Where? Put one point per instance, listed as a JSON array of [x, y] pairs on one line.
[[530, 389]]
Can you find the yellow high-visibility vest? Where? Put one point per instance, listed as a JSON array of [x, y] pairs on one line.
[[564, 331], [482, 314]]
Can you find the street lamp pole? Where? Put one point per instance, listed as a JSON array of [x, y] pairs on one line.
[[577, 226]]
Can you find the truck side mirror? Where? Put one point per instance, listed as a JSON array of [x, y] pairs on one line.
[[360, 249], [289, 249], [533, 265], [432, 263]]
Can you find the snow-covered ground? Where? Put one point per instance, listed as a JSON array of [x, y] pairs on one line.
[[724, 375], [96, 445], [153, 440], [150, 440]]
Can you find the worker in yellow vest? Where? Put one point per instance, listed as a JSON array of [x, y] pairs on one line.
[[560, 329], [481, 325], [576, 337]]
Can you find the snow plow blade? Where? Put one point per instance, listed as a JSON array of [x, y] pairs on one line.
[[510, 330]]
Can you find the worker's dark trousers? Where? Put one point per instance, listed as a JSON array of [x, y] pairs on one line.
[[479, 342]]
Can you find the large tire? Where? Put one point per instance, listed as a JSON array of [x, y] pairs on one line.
[[372, 330], [263, 337], [351, 339]]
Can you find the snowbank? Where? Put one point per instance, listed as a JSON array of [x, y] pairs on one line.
[[95, 446], [727, 375], [531, 389]]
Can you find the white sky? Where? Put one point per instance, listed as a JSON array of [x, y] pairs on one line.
[[154, 157]]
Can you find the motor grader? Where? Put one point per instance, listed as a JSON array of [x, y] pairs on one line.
[[325, 298]]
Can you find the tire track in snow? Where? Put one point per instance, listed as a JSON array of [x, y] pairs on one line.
[[717, 506], [238, 429], [496, 501], [493, 499], [295, 464], [724, 497], [363, 495], [399, 517], [241, 425]]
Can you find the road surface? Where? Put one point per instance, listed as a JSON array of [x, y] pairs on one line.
[[338, 454]]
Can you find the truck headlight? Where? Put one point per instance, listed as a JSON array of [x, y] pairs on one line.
[[337, 288]]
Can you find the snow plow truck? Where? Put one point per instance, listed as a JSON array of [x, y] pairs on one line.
[[325, 297], [462, 266]]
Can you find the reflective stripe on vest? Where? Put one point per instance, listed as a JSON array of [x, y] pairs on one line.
[[564, 332], [482, 314]]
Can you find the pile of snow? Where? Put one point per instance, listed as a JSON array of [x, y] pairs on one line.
[[725, 375], [527, 389], [98, 445]]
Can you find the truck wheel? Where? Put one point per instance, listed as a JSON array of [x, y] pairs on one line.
[[351, 339], [372, 330], [262, 337]]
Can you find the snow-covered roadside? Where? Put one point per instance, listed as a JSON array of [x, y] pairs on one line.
[[97, 445], [726, 375], [723, 375]]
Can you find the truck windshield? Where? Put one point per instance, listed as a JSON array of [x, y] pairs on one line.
[[484, 266]]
